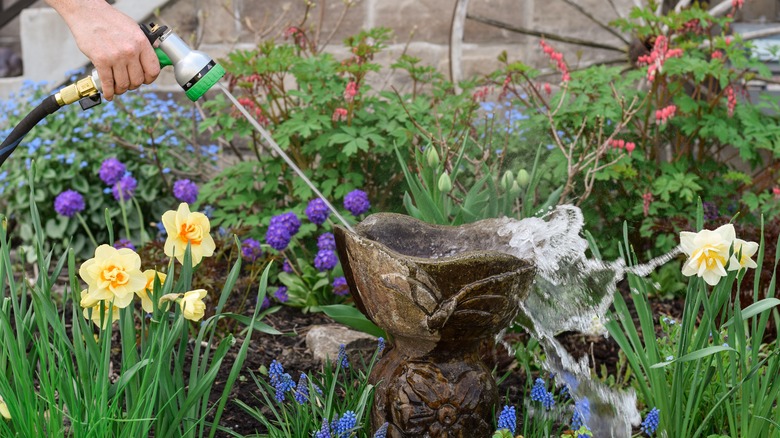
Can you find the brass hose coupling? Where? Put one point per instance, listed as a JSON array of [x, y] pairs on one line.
[[74, 92]]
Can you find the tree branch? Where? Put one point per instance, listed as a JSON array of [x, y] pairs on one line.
[[540, 34], [592, 18]]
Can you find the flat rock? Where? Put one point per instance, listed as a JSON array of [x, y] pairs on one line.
[[324, 340]]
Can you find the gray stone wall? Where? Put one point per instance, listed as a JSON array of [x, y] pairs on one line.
[[421, 27]]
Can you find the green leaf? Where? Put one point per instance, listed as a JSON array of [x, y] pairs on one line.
[[698, 354], [351, 317]]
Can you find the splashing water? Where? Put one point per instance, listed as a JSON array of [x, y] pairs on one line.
[[572, 293], [264, 133]]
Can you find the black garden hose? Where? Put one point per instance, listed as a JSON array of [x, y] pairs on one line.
[[48, 106]]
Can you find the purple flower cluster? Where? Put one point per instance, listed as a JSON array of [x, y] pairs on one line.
[[281, 294], [508, 419], [286, 267], [340, 286], [302, 390], [540, 394], [325, 260], [277, 236], [281, 381], [185, 191], [124, 189], [289, 220], [356, 202], [343, 358], [68, 203], [326, 241], [317, 211], [124, 243], [382, 431], [250, 249], [111, 170]]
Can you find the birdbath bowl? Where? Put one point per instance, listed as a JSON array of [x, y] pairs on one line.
[[439, 292]]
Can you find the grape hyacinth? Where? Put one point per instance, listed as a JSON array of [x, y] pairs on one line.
[[345, 425], [340, 286], [326, 241], [508, 419], [289, 220], [581, 413], [325, 260], [356, 202], [185, 191], [286, 267], [380, 345], [111, 170], [281, 381], [124, 243], [250, 249], [650, 423], [317, 211], [540, 394], [124, 189], [281, 294], [277, 236], [324, 431], [382, 431], [302, 390], [343, 358], [69, 203]]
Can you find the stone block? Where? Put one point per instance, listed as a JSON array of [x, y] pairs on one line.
[[559, 18], [424, 20], [511, 12], [324, 341], [263, 19]]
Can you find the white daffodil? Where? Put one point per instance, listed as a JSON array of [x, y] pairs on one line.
[[708, 252], [741, 258]]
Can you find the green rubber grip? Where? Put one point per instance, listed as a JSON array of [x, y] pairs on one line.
[[205, 83], [164, 59]]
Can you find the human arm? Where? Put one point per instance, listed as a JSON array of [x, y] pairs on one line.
[[112, 41]]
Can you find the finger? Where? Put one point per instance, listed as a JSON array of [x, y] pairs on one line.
[[135, 75], [121, 79], [106, 81], [150, 64]]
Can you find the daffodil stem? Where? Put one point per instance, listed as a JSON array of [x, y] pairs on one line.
[[86, 228], [124, 219]]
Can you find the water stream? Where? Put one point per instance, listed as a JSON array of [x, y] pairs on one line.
[[573, 293], [264, 133]]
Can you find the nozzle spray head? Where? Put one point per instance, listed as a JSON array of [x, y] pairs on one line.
[[195, 71]]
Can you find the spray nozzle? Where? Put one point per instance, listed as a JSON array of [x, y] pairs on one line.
[[194, 71]]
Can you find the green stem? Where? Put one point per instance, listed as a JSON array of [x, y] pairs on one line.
[[144, 235], [124, 216], [86, 228]]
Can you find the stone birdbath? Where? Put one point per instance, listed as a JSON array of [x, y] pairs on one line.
[[439, 292]]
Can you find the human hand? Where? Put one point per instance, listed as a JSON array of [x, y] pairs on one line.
[[114, 42]]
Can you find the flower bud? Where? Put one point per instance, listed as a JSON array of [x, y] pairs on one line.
[[507, 179], [523, 178], [515, 189], [432, 156], [445, 184]]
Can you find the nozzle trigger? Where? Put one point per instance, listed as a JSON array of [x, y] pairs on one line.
[[163, 57]]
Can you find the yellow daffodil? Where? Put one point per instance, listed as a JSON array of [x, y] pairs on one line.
[[4, 412], [708, 252], [113, 275], [144, 293], [192, 305], [184, 227], [745, 250], [96, 312]]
